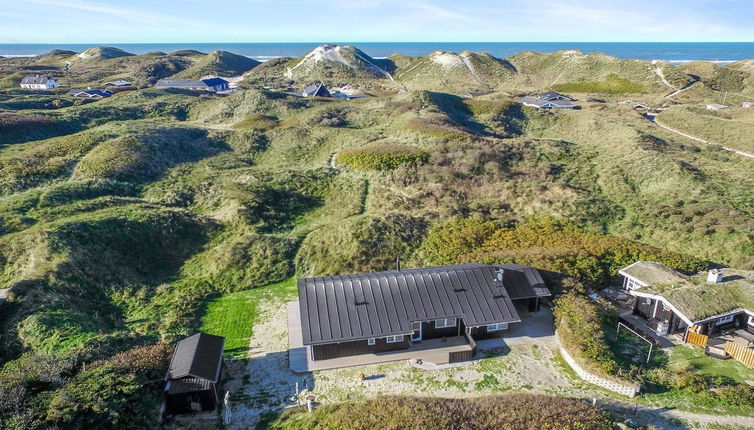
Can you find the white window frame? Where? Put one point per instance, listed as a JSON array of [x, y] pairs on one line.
[[394, 339], [497, 327], [751, 320], [445, 323], [371, 341]]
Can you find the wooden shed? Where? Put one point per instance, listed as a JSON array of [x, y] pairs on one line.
[[195, 375]]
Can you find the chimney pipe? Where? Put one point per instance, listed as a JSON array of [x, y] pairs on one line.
[[714, 276]]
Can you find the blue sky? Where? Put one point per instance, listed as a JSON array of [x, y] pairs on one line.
[[137, 21]]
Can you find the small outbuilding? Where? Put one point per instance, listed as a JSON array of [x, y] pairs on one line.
[[195, 375], [747, 105], [38, 82], [316, 90]]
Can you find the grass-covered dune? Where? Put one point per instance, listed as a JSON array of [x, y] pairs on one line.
[[121, 219], [511, 411]]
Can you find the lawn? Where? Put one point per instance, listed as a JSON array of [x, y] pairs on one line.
[[233, 315], [681, 356]]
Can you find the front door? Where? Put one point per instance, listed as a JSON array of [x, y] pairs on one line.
[[416, 336]]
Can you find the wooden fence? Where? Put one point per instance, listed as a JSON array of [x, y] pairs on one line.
[[740, 353], [697, 339]]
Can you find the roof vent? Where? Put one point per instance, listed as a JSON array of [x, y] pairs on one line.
[[499, 275], [714, 276]]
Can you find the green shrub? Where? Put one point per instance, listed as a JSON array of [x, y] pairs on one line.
[[382, 157], [579, 322], [546, 244]]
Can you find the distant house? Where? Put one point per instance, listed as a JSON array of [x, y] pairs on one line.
[[90, 93], [473, 95], [552, 95], [209, 84], [747, 104], [316, 90], [715, 106], [435, 314], [38, 82], [641, 106], [118, 83], [709, 303], [546, 104], [194, 377]]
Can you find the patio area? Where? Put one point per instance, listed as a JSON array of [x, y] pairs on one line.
[[434, 351]]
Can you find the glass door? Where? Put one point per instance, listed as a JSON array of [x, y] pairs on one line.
[[416, 336]]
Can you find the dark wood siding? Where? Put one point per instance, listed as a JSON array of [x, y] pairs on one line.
[[482, 333], [430, 332], [643, 309], [181, 403], [357, 347], [459, 356]]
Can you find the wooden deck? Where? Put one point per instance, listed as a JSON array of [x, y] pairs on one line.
[[640, 324], [435, 351]]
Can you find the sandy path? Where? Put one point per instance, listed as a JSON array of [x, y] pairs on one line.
[[688, 136]]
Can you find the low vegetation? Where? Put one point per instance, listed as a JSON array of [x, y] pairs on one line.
[[519, 411], [612, 84], [382, 157]]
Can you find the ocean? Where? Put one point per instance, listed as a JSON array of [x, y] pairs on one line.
[[722, 52]]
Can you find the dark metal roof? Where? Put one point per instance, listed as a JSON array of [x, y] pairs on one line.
[[523, 282], [363, 305], [198, 356], [89, 93], [188, 385], [181, 83], [318, 90], [552, 95]]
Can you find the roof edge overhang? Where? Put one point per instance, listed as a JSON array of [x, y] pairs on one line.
[[675, 310]]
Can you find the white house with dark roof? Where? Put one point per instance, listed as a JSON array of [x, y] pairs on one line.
[[90, 93], [546, 104], [38, 82]]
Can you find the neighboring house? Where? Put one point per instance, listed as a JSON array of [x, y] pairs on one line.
[[118, 83], [706, 303], [716, 106], [472, 95], [552, 96], [545, 104], [195, 375], [316, 90], [38, 82], [90, 93], [642, 106], [416, 309], [747, 104], [209, 84]]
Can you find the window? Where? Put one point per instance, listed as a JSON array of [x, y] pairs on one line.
[[394, 339], [632, 284], [751, 320], [445, 322], [724, 320], [497, 327], [370, 341]]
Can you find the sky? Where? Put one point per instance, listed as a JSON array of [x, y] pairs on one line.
[[235, 21]]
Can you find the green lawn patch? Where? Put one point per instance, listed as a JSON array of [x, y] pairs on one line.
[[233, 315], [612, 84], [682, 356]]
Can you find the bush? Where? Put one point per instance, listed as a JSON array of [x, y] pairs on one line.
[[382, 157], [546, 244], [579, 322], [257, 121]]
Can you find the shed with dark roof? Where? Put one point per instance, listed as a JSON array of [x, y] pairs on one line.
[[316, 90], [194, 377], [348, 315]]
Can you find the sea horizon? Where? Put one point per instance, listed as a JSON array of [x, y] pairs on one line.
[[675, 52]]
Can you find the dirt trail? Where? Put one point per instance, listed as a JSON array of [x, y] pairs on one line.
[[471, 69], [688, 136]]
